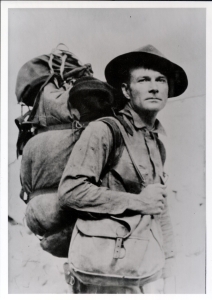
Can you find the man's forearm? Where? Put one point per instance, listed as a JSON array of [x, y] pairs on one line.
[[85, 196], [79, 184]]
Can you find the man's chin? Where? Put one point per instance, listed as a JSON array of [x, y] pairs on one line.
[[154, 107]]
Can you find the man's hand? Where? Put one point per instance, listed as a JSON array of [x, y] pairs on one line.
[[152, 199]]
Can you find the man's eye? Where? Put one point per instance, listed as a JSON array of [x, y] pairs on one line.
[[162, 80], [142, 80]]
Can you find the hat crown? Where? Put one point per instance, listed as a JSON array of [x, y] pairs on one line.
[[150, 49]]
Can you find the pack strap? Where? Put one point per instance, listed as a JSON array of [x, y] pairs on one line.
[[161, 149], [50, 64], [36, 193], [129, 148], [43, 192], [55, 127], [117, 143], [131, 152], [123, 122], [21, 119], [64, 57], [58, 46], [86, 67]]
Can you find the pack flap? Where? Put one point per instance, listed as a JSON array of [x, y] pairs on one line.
[[109, 227]]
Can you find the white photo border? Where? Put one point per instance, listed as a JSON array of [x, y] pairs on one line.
[[5, 6]]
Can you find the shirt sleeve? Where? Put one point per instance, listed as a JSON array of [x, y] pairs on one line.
[[79, 186]]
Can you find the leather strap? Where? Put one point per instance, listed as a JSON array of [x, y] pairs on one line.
[[56, 127], [129, 149], [118, 246], [42, 191]]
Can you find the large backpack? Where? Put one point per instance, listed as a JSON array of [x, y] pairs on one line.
[[43, 161], [59, 67], [93, 99]]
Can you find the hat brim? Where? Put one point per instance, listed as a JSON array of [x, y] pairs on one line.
[[115, 71]]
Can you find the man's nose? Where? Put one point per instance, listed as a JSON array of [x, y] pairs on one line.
[[153, 87]]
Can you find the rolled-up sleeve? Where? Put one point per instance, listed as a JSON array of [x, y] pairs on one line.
[[79, 186]]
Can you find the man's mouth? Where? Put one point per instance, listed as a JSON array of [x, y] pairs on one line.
[[152, 98]]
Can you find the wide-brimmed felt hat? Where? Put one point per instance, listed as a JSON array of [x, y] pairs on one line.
[[147, 57]]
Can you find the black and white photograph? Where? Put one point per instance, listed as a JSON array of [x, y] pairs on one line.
[[106, 148]]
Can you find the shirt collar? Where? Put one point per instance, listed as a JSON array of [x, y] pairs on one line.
[[138, 123]]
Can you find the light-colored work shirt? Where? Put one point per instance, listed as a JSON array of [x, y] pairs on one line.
[[83, 188]]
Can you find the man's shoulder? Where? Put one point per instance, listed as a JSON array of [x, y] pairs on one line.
[[103, 125], [97, 130], [106, 130], [99, 126]]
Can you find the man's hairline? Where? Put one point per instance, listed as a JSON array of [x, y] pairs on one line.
[[130, 70]]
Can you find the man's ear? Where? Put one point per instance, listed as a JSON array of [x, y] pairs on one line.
[[125, 90]]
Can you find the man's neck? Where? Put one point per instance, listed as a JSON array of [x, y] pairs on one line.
[[147, 117]]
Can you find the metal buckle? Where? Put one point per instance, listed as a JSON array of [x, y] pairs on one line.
[[118, 247], [120, 251]]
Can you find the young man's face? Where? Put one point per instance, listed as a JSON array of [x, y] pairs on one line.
[[147, 90]]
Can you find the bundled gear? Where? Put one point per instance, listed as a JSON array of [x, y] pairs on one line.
[[61, 68], [60, 65], [53, 144], [45, 155], [43, 161]]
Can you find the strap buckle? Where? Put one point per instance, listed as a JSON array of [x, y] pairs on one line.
[[118, 245], [119, 251]]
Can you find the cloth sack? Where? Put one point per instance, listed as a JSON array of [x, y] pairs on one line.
[[60, 64], [57, 242], [59, 68], [117, 251], [43, 212], [44, 159], [54, 227]]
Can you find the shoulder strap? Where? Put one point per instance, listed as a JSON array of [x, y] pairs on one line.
[[118, 127], [117, 143], [130, 151], [162, 150]]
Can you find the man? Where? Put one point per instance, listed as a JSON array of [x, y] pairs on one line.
[[146, 79]]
